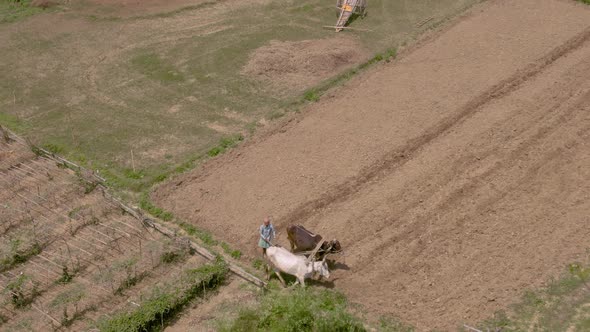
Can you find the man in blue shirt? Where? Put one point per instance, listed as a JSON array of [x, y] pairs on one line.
[[267, 234]]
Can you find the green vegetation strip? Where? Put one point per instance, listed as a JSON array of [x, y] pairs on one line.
[[165, 302], [140, 179], [303, 309], [206, 238], [563, 306]]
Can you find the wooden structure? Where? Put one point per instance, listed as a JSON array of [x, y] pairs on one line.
[[347, 9]]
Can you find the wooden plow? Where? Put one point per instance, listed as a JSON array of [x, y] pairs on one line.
[[347, 9], [318, 249], [311, 257]]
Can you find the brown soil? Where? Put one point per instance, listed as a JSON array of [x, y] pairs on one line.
[[294, 66], [455, 177]]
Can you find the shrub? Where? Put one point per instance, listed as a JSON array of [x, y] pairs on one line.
[[18, 291], [130, 281], [303, 309], [169, 257], [18, 255], [66, 276]]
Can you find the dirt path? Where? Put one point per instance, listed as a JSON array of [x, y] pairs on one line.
[[455, 177]]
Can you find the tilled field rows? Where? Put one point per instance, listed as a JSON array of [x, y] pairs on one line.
[[493, 207], [69, 255], [456, 177]]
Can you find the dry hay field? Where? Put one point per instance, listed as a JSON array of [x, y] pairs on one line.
[[72, 259], [97, 79], [457, 177]]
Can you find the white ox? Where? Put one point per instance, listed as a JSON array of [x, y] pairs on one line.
[[285, 261]]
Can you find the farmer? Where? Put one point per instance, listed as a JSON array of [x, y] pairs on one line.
[[267, 234]]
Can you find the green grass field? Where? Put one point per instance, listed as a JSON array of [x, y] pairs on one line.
[[140, 97]]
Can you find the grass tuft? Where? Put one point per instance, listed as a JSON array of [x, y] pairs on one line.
[[391, 324], [54, 148], [131, 174], [205, 237], [235, 254], [258, 264], [225, 144], [147, 205], [311, 95], [13, 10]]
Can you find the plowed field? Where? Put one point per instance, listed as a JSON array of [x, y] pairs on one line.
[[456, 177]]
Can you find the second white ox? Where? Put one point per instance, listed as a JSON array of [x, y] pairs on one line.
[[285, 261]]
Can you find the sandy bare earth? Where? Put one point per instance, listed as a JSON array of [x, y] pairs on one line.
[[456, 177]]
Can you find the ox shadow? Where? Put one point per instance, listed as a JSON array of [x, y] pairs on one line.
[[321, 283], [290, 280], [334, 265]]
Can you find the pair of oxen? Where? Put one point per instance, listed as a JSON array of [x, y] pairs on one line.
[[306, 258]]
